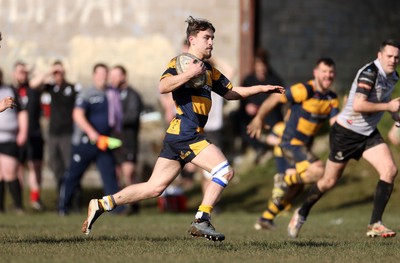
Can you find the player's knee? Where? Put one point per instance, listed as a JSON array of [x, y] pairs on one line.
[[222, 174], [390, 173], [393, 170], [316, 171], [156, 190], [314, 177], [327, 184]]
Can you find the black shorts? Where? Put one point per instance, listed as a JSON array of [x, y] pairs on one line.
[[10, 149], [125, 154], [346, 144], [32, 150]]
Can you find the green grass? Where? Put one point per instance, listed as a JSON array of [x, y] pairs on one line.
[[335, 231], [335, 236]]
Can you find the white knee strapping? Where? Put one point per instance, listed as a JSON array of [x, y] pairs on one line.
[[218, 173]]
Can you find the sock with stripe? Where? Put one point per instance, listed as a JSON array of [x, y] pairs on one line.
[[107, 203], [295, 178], [204, 212]]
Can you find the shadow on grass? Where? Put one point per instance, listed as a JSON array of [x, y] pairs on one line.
[[75, 239], [232, 201], [266, 245]]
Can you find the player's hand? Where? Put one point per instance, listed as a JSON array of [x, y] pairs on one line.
[[274, 89], [255, 127], [196, 68], [394, 105], [93, 136]]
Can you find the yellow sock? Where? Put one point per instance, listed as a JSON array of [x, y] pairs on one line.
[[291, 179], [205, 209], [271, 212]]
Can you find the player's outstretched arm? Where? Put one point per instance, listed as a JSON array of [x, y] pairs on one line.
[[238, 93]]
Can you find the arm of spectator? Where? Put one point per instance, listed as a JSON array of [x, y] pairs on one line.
[[132, 114], [38, 79], [22, 127], [6, 103], [80, 119]]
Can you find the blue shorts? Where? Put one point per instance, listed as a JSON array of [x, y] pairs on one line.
[[181, 149]]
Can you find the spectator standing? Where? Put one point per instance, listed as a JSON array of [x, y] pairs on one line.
[[31, 154], [92, 119], [262, 74], [63, 95], [13, 133], [132, 106]]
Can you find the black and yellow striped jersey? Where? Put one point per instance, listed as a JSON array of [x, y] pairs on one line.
[[309, 109], [193, 104]]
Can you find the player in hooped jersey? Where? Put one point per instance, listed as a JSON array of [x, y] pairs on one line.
[[355, 135], [310, 105], [184, 141]]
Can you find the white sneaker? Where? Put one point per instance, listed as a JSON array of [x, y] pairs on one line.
[[94, 211], [295, 224]]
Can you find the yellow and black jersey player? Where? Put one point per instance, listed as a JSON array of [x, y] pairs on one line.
[[184, 141], [311, 104], [185, 132]]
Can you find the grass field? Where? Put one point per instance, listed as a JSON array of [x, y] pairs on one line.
[[335, 231], [336, 236]]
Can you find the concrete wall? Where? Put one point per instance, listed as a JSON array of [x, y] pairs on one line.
[[140, 34]]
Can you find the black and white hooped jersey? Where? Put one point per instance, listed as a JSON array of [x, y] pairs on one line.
[[372, 81]]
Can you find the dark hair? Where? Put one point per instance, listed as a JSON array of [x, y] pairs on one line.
[[99, 65], [389, 42], [325, 60], [262, 55], [197, 25], [121, 68], [19, 63], [57, 62]]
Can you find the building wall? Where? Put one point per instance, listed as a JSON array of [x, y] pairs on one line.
[[298, 32], [142, 35]]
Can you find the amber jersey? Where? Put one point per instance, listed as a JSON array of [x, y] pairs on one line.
[[309, 110], [193, 105]]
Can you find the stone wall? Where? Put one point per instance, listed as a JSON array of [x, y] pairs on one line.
[[140, 34]]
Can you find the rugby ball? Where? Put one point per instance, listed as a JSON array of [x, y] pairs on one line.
[[182, 64]]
